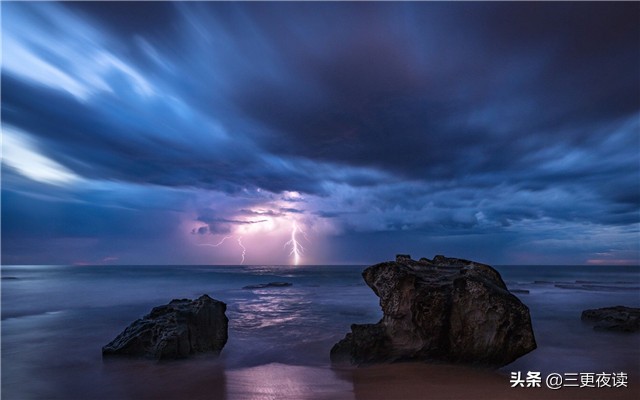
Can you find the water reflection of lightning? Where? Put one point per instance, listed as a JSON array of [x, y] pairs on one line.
[[296, 247], [244, 250]]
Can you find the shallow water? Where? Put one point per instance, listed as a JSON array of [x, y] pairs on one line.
[[55, 319]]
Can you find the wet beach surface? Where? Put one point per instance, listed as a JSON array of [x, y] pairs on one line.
[[56, 319]]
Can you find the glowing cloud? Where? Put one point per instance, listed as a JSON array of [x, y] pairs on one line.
[[77, 59], [20, 152]]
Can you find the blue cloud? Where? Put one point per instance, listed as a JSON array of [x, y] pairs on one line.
[[419, 123]]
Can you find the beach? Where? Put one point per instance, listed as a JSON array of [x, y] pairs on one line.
[[55, 319]]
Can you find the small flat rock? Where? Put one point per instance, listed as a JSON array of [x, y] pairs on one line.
[[618, 318], [268, 285]]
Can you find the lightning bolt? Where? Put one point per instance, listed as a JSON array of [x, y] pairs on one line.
[[217, 244], [244, 250], [296, 247]]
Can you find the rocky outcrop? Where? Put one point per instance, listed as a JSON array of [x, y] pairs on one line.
[[445, 309], [268, 285], [176, 330], [618, 318]]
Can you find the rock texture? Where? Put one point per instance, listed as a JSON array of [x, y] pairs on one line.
[[445, 309], [176, 330], [618, 318]]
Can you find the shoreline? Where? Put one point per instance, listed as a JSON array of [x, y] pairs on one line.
[[280, 339], [401, 381], [420, 381]]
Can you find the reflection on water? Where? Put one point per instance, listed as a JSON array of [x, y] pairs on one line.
[[56, 319], [280, 381], [271, 308]]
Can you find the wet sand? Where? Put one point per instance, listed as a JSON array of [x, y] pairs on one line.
[[404, 381], [424, 381]]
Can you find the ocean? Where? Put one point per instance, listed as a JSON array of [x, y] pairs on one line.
[[55, 320]]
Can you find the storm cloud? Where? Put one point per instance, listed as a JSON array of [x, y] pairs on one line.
[[505, 132]]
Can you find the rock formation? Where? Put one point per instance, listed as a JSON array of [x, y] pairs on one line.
[[176, 330], [618, 318], [445, 309]]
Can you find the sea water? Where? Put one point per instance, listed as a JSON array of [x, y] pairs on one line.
[[55, 319]]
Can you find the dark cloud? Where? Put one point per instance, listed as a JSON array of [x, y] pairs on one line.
[[328, 214], [136, 18], [422, 120], [270, 213], [41, 220], [203, 230], [217, 224], [523, 77], [291, 210]]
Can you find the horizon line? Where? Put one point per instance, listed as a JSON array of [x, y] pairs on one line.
[[306, 265]]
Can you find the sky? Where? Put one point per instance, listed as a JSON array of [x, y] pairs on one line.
[[320, 133]]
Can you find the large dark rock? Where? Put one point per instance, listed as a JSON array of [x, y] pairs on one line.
[[618, 318], [176, 330], [445, 309]]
